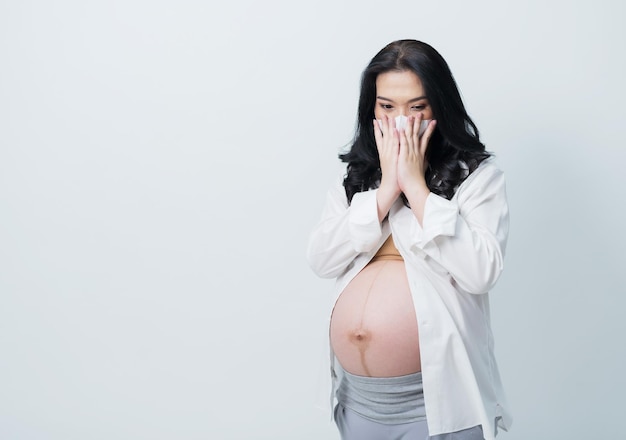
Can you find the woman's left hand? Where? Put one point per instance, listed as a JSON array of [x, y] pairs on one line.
[[412, 156], [412, 164]]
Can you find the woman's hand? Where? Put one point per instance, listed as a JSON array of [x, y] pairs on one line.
[[412, 155], [412, 164], [388, 146]]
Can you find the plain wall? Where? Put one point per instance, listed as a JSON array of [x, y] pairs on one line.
[[161, 166]]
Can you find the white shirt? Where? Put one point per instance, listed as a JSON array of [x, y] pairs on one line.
[[452, 261]]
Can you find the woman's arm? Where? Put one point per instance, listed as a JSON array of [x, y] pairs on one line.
[[466, 235], [344, 231]]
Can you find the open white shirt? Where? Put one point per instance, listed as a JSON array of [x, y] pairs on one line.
[[452, 261]]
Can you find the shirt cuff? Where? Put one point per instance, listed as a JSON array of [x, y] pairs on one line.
[[440, 217]]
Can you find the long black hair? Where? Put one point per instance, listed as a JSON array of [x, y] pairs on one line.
[[454, 150]]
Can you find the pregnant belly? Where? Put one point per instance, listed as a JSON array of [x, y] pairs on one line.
[[373, 329]]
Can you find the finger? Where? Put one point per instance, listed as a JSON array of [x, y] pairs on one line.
[[378, 134], [389, 127], [417, 123], [426, 136], [391, 121], [384, 125], [386, 134], [393, 129], [403, 143], [409, 127], [409, 134]]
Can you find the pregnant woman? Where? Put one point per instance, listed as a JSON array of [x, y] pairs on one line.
[[414, 231]]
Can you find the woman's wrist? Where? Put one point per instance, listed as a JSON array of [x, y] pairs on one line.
[[388, 190], [416, 196], [385, 196], [416, 189]]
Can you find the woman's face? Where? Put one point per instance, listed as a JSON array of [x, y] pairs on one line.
[[400, 93]]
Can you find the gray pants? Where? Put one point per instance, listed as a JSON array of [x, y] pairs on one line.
[[353, 426]]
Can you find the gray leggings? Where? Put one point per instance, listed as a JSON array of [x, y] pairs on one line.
[[353, 426]]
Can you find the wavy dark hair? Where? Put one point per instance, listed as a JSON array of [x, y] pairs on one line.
[[454, 148]]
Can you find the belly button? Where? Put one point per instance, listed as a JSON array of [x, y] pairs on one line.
[[359, 336]]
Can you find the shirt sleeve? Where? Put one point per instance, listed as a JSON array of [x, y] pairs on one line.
[[344, 231], [467, 235]]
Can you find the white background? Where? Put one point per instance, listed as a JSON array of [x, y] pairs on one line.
[[161, 166]]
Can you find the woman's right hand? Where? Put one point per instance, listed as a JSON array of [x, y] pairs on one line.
[[388, 146]]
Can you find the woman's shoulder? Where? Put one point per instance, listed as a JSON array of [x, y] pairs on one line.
[[487, 171], [488, 166]]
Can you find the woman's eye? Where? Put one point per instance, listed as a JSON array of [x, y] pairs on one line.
[[418, 108], [386, 106]]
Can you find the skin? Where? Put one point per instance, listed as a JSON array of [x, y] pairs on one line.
[[374, 329], [402, 153]]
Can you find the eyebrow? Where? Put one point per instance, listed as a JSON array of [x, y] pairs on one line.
[[419, 98]]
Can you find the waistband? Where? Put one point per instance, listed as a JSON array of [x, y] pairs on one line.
[[388, 400]]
